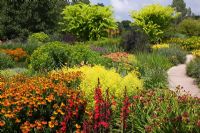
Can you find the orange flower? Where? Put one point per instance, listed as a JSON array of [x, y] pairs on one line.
[[52, 124], [2, 123]]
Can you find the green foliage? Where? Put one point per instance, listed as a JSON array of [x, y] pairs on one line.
[[38, 37], [50, 56], [88, 22], [193, 69], [6, 61], [175, 54], [19, 18], [54, 55], [162, 111], [153, 69], [154, 19], [190, 27]]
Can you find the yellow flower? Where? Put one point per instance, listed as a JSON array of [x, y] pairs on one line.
[[160, 46]]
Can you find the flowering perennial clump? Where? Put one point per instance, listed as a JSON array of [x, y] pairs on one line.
[[160, 46], [45, 103], [196, 53], [17, 54]]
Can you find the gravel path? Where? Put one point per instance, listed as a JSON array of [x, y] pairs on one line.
[[177, 76]]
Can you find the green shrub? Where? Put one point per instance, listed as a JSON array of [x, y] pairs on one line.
[[55, 55], [190, 27], [38, 37], [175, 54], [83, 54], [153, 69], [6, 61], [193, 69], [50, 56]]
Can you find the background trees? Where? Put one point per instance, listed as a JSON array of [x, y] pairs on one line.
[[87, 22], [180, 6], [22, 17]]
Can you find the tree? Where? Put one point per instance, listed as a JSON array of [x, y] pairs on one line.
[[22, 17], [180, 6], [87, 22], [18, 18], [154, 19]]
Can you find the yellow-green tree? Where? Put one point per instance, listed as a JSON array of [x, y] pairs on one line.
[[87, 22], [154, 19]]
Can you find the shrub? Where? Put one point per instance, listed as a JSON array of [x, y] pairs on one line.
[[87, 22], [51, 56], [189, 44], [175, 54], [38, 37], [153, 69], [108, 78], [6, 61], [154, 19], [55, 55], [190, 27], [193, 69], [134, 40]]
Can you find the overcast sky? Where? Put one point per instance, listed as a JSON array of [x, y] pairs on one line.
[[123, 7]]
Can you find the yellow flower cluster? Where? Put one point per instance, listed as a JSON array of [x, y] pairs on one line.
[[160, 46], [108, 79], [196, 53]]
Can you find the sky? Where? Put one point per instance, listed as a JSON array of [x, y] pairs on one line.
[[122, 8]]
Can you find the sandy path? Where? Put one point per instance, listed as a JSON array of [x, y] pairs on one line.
[[177, 76]]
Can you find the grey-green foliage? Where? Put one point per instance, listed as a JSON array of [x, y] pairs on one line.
[[175, 54], [153, 67], [6, 61], [193, 69], [87, 22]]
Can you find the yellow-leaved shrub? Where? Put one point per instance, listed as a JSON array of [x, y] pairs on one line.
[[108, 79]]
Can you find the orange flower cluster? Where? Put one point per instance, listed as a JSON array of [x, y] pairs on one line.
[[17, 54], [39, 103], [118, 56]]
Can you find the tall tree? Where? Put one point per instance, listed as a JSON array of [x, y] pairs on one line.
[[180, 6]]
